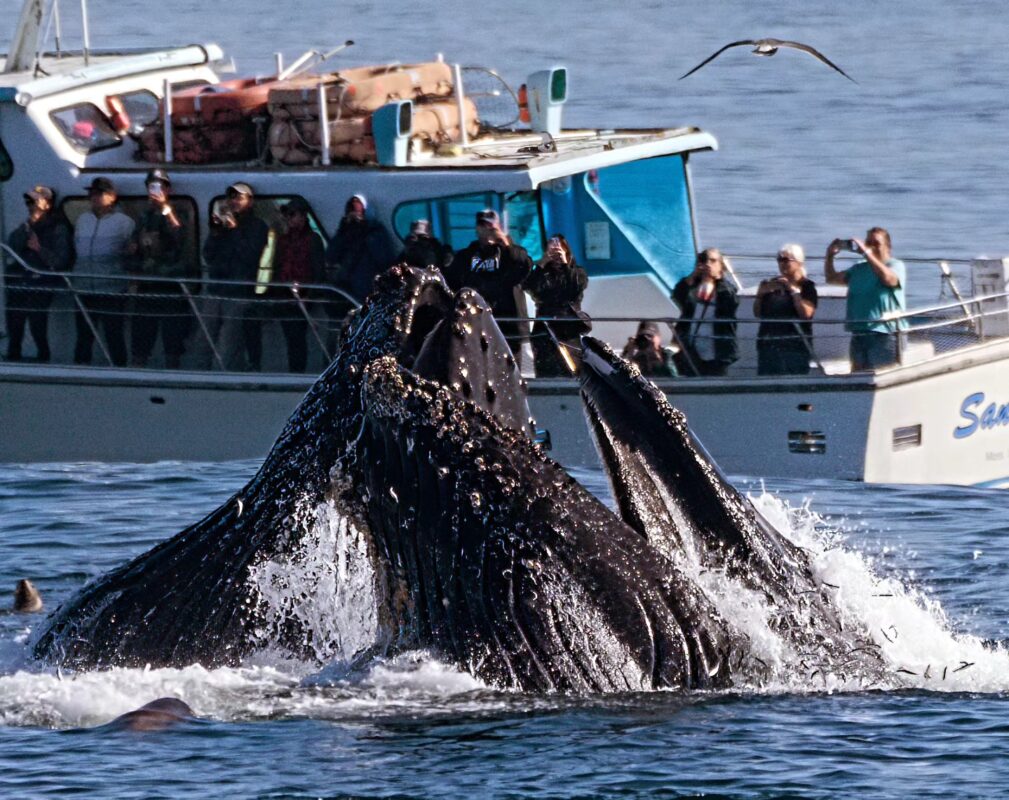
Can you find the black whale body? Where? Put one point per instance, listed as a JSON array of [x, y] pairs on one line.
[[483, 548]]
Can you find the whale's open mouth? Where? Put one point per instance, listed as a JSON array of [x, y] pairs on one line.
[[411, 458]]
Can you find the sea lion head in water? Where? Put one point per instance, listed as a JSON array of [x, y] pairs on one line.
[[26, 597], [155, 716]]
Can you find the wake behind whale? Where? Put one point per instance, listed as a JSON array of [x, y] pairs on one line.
[[407, 490]]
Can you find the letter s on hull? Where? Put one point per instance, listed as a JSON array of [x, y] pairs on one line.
[[969, 402]]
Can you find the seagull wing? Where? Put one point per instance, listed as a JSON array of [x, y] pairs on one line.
[[816, 54], [717, 54]]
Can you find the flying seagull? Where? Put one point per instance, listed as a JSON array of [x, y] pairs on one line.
[[768, 47]]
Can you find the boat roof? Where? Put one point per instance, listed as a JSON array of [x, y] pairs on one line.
[[542, 156], [65, 71], [549, 157]]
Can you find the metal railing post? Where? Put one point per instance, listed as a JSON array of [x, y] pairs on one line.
[[203, 325], [311, 324], [324, 141], [168, 120], [683, 349], [807, 342], [87, 319]]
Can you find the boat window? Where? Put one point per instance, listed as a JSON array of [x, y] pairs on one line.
[[6, 165], [647, 201], [267, 208], [85, 127], [453, 219], [524, 225], [141, 107], [135, 205]]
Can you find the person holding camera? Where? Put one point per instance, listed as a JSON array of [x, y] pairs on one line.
[[359, 250], [557, 286], [496, 267], [233, 251], [422, 250], [875, 292], [785, 304], [44, 242], [158, 250], [707, 325], [645, 351]]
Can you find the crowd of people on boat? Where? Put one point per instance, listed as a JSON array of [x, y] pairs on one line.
[[704, 340], [136, 271]]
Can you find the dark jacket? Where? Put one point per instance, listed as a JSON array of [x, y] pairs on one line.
[[159, 249], [496, 272], [557, 290], [723, 307], [425, 252], [358, 251], [300, 258], [778, 305], [232, 254], [56, 253]]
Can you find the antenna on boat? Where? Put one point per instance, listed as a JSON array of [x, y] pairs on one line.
[[305, 62], [25, 44], [59, 28]]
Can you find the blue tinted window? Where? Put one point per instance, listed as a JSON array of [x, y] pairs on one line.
[[626, 219]]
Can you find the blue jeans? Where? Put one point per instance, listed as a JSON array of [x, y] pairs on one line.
[[872, 349]]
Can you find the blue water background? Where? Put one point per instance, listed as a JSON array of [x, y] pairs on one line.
[[62, 524], [916, 146]]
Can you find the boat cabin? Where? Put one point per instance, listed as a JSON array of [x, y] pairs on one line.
[[440, 141]]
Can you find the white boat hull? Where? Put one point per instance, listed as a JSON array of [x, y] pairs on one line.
[[898, 426]]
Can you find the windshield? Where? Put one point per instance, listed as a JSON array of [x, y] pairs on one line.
[[627, 219]]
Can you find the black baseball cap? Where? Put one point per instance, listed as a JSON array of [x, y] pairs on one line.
[[488, 216], [101, 185], [158, 175]]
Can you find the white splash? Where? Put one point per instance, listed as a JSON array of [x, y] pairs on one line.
[[413, 683], [326, 585], [910, 628]]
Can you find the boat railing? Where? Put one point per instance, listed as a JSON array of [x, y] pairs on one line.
[[951, 273], [316, 313], [916, 336], [100, 302]]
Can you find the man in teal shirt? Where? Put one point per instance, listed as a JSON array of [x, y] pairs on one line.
[[875, 294]]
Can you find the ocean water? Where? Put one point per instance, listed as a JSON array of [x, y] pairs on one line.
[[805, 155], [926, 566]]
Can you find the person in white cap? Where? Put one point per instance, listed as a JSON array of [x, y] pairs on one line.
[[233, 251], [44, 242], [423, 250], [359, 250]]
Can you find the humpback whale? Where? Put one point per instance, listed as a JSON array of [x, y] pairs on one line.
[[478, 545]]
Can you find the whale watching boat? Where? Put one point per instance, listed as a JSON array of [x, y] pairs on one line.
[[440, 141]]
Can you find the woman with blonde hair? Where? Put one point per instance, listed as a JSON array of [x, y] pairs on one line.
[[785, 304]]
